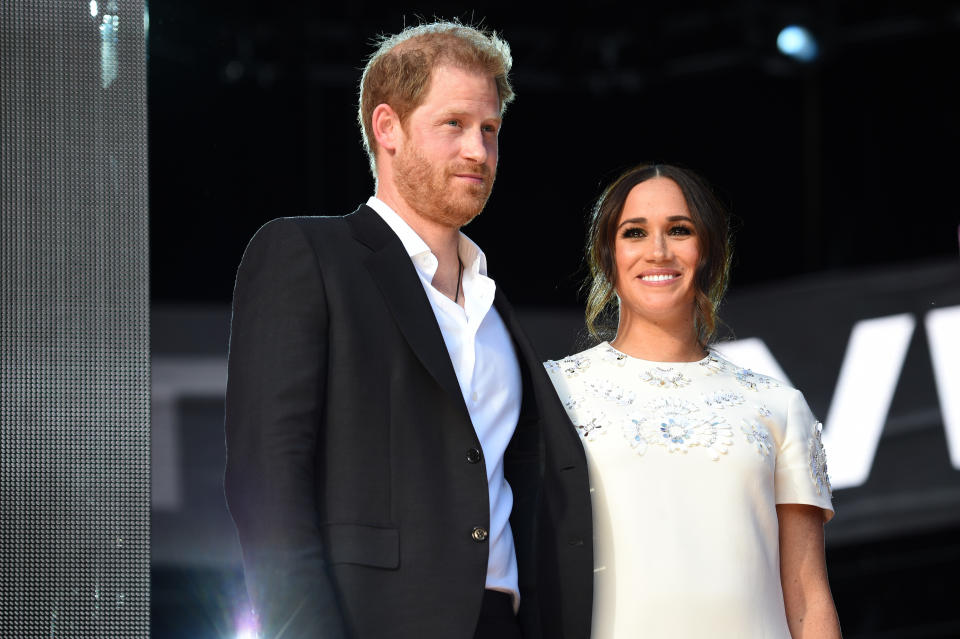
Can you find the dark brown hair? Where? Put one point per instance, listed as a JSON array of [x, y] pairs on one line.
[[399, 71], [712, 225]]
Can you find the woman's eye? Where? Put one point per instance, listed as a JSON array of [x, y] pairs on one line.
[[681, 230], [634, 232]]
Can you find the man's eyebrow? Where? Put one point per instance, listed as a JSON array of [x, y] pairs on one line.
[[643, 220], [459, 113]]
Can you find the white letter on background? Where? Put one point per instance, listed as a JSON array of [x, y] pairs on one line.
[[943, 331], [861, 401]]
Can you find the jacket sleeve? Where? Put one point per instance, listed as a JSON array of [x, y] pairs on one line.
[[274, 424]]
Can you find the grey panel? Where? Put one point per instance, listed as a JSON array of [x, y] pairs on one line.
[[74, 321]]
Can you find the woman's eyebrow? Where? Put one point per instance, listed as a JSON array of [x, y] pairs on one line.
[[643, 220]]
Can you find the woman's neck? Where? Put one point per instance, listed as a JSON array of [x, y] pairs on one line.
[[656, 342]]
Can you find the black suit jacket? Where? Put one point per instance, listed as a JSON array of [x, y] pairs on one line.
[[349, 471]]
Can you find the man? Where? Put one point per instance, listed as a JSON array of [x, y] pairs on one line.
[[398, 463]]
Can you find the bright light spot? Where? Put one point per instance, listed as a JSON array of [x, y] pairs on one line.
[[93, 8], [247, 626], [798, 43]]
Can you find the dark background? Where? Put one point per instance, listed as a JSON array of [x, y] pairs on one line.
[[844, 166], [847, 162]]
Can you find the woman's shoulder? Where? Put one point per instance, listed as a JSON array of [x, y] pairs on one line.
[[715, 363], [777, 394], [578, 363]]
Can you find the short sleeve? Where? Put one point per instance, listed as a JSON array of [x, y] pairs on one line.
[[801, 471]]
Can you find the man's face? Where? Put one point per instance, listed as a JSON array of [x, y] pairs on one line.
[[446, 161]]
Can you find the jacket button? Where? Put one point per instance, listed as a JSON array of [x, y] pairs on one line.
[[479, 534], [473, 456], [575, 541]]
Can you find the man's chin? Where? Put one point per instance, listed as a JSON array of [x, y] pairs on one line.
[[462, 212]]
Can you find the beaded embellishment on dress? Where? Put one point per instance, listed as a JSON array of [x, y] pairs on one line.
[[588, 422], [758, 436], [665, 378], [818, 462], [678, 426], [608, 391], [754, 381], [723, 399]]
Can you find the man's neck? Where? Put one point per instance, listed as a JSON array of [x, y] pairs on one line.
[[443, 241]]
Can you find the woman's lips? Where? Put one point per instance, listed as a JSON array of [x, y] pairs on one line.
[[659, 277]]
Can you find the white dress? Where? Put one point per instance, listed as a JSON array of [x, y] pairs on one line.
[[687, 462]]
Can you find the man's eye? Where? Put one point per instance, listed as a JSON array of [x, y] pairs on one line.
[[453, 122]]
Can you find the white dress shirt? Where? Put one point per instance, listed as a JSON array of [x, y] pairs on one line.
[[485, 363]]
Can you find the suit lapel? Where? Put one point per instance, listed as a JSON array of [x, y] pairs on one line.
[[565, 443], [526, 356], [395, 275]]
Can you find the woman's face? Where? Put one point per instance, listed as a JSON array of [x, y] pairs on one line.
[[656, 251]]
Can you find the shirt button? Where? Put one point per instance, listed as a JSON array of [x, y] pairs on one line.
[[473, 456], [479, 534], [474, 396]]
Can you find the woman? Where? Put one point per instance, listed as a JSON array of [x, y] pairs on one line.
[[709, 481]]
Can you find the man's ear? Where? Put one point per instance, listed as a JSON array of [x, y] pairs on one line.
[[386, 127]]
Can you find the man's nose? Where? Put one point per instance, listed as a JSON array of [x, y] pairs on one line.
[[473, 147]]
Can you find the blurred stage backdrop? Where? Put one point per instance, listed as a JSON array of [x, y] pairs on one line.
[[839, 165], [834, 146]]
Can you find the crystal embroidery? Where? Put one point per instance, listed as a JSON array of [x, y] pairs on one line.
[[589, 429], [678, 426], [665, 378], [633, 431], [571, 366], [670, 406], [587, 422], [697, 412], [723, 399], [754, 381], [818, 462], [758, 436], [712, 364], [683, 433], [677, 433], [613, 355], [611, 392]]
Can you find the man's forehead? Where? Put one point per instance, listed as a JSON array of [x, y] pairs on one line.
[[461, 73], [462, 89]]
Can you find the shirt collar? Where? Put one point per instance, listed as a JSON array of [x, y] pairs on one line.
[[472, 257]]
